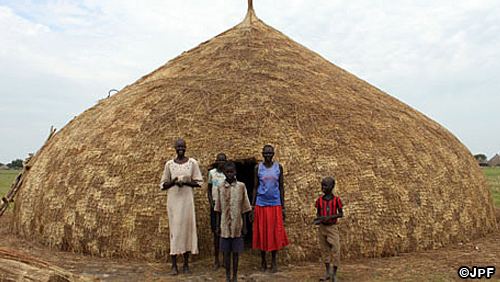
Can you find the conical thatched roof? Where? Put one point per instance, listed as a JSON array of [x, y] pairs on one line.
[[406, 182], [495, 160]]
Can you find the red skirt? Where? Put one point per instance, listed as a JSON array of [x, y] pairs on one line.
[[268, 229]]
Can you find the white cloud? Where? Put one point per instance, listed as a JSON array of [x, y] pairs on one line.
[[57, 58]]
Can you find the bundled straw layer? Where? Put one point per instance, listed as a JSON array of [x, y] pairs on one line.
[[406, 182]]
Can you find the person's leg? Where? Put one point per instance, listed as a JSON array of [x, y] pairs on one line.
[[263, 263], [334, 240], [274, 269], [186, 262], [226, 257], [325, 249], [174, 265], [328, 273], [216, 251], [235, 266], [335, 273]]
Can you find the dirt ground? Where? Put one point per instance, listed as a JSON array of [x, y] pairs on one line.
[[434, 265]]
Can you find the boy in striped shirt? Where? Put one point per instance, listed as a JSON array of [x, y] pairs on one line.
[[329, 209]]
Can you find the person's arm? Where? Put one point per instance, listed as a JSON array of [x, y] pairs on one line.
[[166, 182], [196, 178], [256, 184], [244, 228], [282, 192], [168, 185], [246, 208], [217, 210], [210, 197], [340, 213], [217, 223], [190, 184]]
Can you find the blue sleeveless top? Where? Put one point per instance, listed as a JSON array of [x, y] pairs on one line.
[[268, 192]]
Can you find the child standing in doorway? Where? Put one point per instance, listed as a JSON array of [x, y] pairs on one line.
[[329, 209], [215, 177], [232, 208]]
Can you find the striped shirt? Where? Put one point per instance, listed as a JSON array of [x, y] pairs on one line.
[[328, 208], [232, 202]]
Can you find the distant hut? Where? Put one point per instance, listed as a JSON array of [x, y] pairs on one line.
[[407, 183], [494, 161]]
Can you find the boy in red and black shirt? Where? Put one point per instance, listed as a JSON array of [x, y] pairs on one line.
[[329, 208]]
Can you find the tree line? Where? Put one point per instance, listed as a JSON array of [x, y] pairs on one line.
[[15, 164]]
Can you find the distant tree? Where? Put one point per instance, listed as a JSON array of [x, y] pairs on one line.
[[480, 157], [16, 164]]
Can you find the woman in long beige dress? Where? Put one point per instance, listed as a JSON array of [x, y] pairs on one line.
[[180, 176]]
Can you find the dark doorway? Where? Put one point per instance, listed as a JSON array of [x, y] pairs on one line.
[[245, 173]]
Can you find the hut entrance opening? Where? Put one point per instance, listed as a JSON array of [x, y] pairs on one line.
[[245, 173]]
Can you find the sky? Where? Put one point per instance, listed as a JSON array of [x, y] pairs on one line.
[[58, 58]]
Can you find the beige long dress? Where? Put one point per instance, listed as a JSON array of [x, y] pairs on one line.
[[180, 206]]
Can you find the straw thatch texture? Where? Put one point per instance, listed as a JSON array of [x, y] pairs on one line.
[[18, 266], [406, 182]]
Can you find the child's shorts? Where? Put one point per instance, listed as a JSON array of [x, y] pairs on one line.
[[235, 245], [329, 243]]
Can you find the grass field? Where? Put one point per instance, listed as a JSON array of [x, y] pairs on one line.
[[6, 179], [493, 179]]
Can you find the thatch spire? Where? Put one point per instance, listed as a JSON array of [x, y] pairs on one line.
[[251, 16]]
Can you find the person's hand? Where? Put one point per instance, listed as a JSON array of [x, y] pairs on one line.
[[217, 230], [324, 220], [173, 181], [251, 216], [211, 204], [178, 182], [244, 230]]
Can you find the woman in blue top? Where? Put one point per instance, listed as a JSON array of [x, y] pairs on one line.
[[269, 201]]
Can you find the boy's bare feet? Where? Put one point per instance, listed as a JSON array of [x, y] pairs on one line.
[[263, 267]]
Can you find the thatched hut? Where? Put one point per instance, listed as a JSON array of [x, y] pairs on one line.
[[407, 183], [494, 161]]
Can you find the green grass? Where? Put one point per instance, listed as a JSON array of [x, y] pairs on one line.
[[6, 179], [493, 178]]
